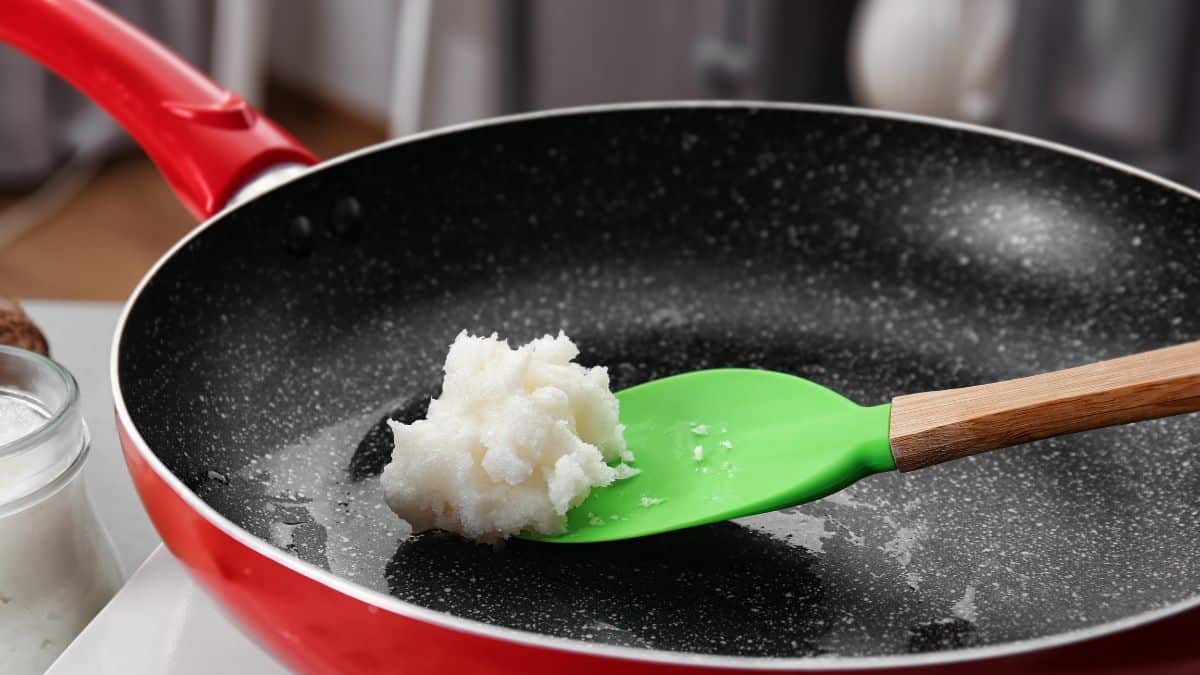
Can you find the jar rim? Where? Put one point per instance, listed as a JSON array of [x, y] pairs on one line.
[[58, 416]]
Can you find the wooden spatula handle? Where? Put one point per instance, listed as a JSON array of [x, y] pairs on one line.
[[939, 426]]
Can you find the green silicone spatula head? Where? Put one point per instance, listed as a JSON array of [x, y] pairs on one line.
[[718, 444]]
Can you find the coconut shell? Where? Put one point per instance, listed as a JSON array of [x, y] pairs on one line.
[[18, 330]]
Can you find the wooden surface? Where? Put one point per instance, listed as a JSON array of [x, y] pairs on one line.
[[100, 244], [938, 426]]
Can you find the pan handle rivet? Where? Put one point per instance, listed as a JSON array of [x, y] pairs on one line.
[[346, 218], [298, 237]]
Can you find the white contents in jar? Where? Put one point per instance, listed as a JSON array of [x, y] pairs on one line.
[[18, 417], [57, 568], [517, 438]]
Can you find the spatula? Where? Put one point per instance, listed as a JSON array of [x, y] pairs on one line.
[[718, 444]]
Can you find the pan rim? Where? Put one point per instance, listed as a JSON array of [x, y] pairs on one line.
[[580, 647]]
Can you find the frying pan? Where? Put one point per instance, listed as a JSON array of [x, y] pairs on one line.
[[873, 253]]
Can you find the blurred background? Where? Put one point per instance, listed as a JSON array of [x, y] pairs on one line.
[[83, 214]]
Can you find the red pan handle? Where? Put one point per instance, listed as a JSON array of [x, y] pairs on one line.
[[207, 142]]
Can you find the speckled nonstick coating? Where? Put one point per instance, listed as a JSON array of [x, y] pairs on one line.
[[871, 255]]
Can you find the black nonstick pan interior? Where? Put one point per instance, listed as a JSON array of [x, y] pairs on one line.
[[873, 255]]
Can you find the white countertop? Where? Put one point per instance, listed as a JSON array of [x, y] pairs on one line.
[[162, 623], [188, 633]]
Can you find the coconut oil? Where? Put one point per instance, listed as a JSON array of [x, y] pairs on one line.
[[57, 565]]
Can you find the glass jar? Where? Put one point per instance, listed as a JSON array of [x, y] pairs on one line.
[[57, 564]]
